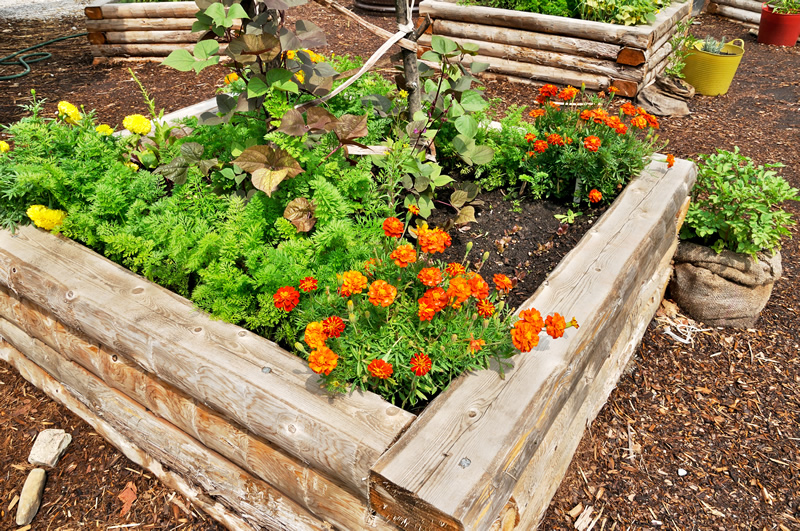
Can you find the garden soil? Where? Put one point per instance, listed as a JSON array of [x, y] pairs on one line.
[[701, 433]]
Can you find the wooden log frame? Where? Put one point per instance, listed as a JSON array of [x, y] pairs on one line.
[[146, 29], [239, 418], [462, 459], [739, 12], [558, 49]]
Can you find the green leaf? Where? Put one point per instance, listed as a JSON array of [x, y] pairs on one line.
[[176, 171], [476, 67], [472, 101], [466, 125], [465, 215], [470, 48], [482, 155], [205, 49], [180, 60], [192, 152], [236, 11], [458, 198], [441, 180], [425, 205], [442, 45], [256, 87], [216, 12], [431, 56]]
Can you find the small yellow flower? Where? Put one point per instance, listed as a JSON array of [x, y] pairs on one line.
[[231, 78], [132, 165], [291, 54], [68, 112], [104, 129], [138, 124], [4, 147], [403, 94], [46, 218], [315, 57], [300, 75]]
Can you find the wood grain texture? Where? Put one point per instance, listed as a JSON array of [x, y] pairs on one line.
[[522, 54], [458, 464], [747, 5], [239, 491], [529, 39], [134, 50], [94, 10], [152, 37], [140, 24], [635, 36], [318, 494], [56, 391], [735, 13], [631, 56], [214, 362], [150, 10]]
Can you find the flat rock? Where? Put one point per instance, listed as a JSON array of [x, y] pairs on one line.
[[658, 102], [48, 448], [31, 496]]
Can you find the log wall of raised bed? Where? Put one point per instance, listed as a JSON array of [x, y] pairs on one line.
[[242, 428], [542, 48], [146, 31]]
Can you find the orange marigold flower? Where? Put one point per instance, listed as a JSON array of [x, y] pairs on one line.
[[485, 308], [414, 209], [670, 160], [555, 325], [621, 129], [404, 255], [420, 364], [354, 282], [425, 311], [433, 241], [612, 89], [548, 91], [430, 276], [315, 335], [639, 122], [308, 284], [555, 139], [502, 283], [628, 108], [595, 196], [531, 153], [475, 344], [333, 326], [530, 137], [436, 298], [540, 99], [524, 336], [393, 227], [540, 146], [587, 115], [600, 116], [381, 293], [592, 143], [613, 122], [535, 113], [323, 360], [652, 121], [454, 269], [380, 369], [231, 78], [568, 93], [286, 298], [478, 286], [458, 291], [371, 265], [533, 317]]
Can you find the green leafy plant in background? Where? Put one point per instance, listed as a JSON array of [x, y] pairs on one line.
[[681, 41], [736, 204]]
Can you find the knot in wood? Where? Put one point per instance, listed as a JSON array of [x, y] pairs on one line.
[[137, 291], [198, 329], [242, 333], [70, 295]]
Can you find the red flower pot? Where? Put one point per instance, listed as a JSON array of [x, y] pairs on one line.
[[779, 29]]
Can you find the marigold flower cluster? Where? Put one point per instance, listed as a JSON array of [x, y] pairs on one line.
[[137, 124], [46, 218], [432, 241], [322, 360], [104, 130], [353, 282], [670, 160], [380, 369], [592, 143], [68, 112], [315, 57], [430, 276], [525, 334], [4, 147], [233, 77], [420, 364], [286, 298], [393, 228], [404, 255], [595, 195], [381, 293]]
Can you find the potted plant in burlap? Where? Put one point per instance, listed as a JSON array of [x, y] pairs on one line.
[[728, 258]]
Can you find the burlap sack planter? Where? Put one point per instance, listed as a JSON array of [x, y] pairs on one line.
[[725, 289]]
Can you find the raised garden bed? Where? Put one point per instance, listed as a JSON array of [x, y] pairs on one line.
[[241, 427], [543, 48], [142, 31]]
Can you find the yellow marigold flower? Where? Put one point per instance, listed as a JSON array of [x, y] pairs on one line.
[[132, 165], [137, 124], [4, 147], [46, 218], [315, 57], [68, 112], [104, 129], [291, 54], [231, 78], [301, 76], [403, 94]]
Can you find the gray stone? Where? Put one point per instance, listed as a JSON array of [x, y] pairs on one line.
[[31, 496], [48, 448], [656, 101]]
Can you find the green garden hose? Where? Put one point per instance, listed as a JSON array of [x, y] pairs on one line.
[[25, 60]]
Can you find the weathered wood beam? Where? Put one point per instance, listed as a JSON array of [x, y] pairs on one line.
[[37, 377], [140, 24], [317, 493], [238, 374], [743, 15], [149, 10], [565, 61], [94, 10], [747, 5], [529, 39], [145, 50], [240, 491], [151, 37], [459, 463]]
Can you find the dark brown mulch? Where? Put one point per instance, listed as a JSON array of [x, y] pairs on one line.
[[725, 408]]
